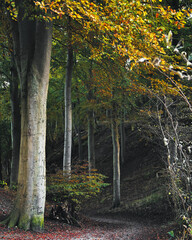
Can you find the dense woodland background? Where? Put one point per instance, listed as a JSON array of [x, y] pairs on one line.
[[127, 96]]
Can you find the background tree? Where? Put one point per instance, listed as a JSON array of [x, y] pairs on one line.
[[68, 104], [9, 71], [5, 109], [16, 123]]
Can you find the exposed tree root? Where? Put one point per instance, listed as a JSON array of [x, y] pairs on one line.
[[60, 213], [25, 222]]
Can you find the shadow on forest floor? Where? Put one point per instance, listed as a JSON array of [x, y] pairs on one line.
[[103, 227]]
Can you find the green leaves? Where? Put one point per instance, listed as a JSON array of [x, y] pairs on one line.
[[171, 233], [79, 186], [2, 184]]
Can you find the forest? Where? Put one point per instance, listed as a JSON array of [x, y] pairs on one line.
[[95, 119]]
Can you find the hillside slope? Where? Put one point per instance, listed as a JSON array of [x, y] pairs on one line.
[[143, 185]]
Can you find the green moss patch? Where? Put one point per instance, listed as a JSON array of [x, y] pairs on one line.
[[37, 223]]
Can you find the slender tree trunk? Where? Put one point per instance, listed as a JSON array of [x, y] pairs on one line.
[[0, 157], [91, 141], [68, 108], [16, 125], [34, 41], [91, 136], [116, 161], [122, 134], [78, 129], [80, 150]]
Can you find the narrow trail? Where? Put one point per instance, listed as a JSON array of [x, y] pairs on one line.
[[93, 227], [130, 228]]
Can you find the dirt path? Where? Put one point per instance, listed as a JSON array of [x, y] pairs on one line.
[[93, 227], [130, 228]]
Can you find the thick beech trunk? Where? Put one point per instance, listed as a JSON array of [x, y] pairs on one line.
[[91, 141], [116, 162], [68, 111], [16, 125], [34, 42]]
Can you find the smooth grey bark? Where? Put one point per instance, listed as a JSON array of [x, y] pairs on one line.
[[68, 108], [16, 125], [91, 141], [116, 161], [33, 43]]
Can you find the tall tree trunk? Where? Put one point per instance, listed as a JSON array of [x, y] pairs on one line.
[[34, 41], [122, 134], [91, 140], [91, 136], [80, 150], [116, 161], [0, 157], [16, 125], [78, 128], [68, 108]]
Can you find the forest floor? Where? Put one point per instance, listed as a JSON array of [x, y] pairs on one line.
[[95, 227]]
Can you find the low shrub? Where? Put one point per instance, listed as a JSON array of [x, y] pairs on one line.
[[77, 187]]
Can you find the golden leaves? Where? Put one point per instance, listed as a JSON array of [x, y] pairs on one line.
[[122, 28], [11, 8], [129, 27]]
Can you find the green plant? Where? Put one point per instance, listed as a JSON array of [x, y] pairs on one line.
[[2, 184], [171, 234], [13, 187], [77, 187]]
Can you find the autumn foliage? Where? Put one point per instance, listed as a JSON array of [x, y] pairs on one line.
[[79, 186]]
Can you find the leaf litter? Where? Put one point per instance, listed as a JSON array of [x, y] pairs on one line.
[[93, 227]]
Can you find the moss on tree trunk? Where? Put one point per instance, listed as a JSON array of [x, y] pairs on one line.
[[32, 39]]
